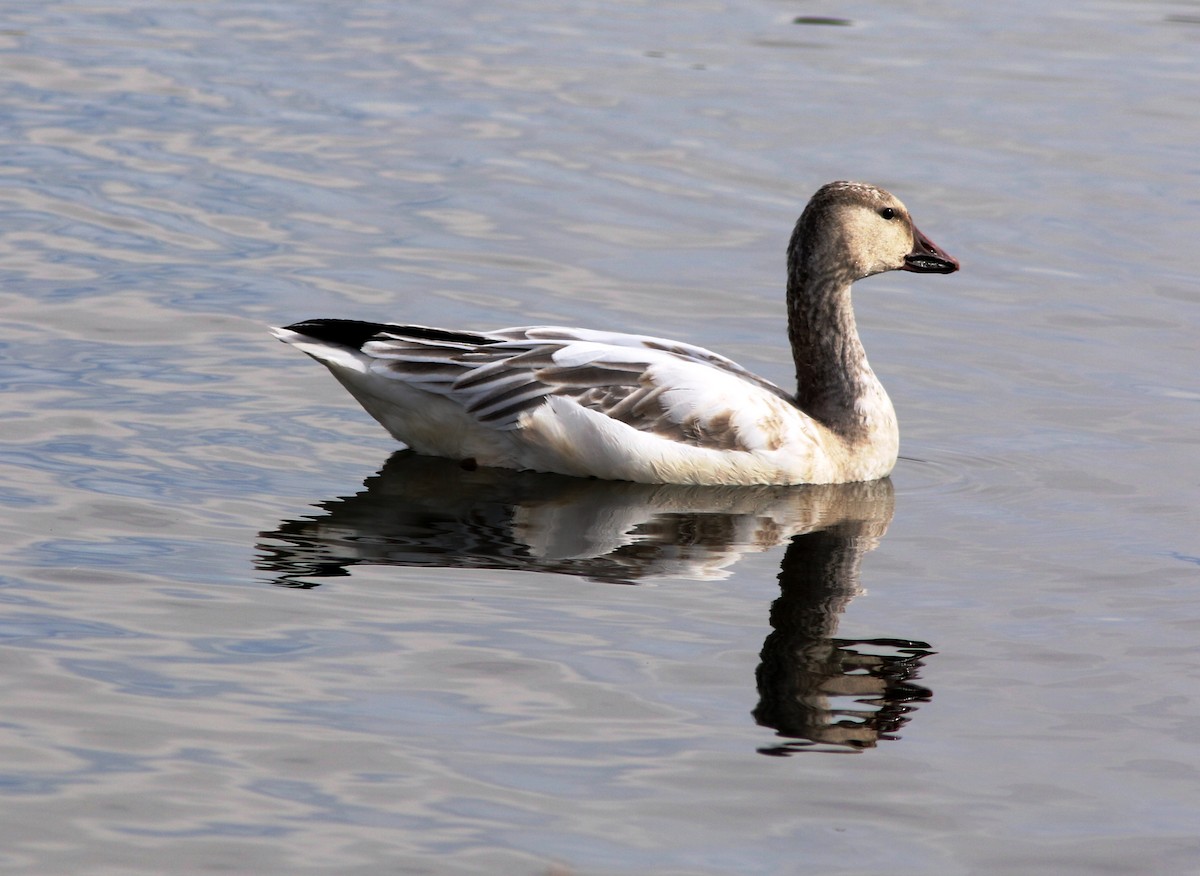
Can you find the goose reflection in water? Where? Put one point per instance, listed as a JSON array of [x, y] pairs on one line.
[[818, 692]]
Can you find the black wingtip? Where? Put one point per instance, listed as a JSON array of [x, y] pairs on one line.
[[342, 332], [354, 333]]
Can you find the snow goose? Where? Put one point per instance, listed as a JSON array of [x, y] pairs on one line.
[[646, 409]]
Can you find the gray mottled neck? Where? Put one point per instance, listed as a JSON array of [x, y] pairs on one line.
[[832, 373]]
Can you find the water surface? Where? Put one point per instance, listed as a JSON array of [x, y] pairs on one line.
[[239, 631]]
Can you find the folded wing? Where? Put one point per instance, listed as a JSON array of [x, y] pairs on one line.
[[675, 391]]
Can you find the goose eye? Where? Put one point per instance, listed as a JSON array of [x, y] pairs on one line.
[[887, 213]]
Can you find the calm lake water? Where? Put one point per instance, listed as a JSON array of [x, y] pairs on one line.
[[240, 632]]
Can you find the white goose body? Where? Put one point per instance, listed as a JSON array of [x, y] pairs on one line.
[[645, 409]]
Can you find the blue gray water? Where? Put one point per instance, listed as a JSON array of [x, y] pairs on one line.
[[239, 632]]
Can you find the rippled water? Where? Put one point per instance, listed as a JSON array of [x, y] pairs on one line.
[[239, 631]]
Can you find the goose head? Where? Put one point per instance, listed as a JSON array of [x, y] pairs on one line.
[[859, 229]]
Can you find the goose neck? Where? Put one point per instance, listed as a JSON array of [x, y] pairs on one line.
[[832, 373]]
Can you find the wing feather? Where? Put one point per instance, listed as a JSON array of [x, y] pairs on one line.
[[676, 391]]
